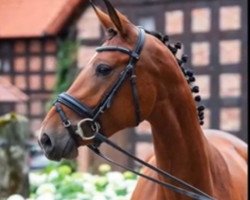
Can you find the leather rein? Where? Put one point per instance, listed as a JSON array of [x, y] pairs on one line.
[[89, 128]]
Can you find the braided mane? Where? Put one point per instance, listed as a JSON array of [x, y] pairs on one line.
[[188, 73]]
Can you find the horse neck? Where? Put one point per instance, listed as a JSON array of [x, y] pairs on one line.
[[180, 146]]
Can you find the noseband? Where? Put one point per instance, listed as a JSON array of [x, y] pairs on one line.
[[89, 128]]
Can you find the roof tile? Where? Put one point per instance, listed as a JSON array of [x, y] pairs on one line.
[[10, 93], [34, 18]]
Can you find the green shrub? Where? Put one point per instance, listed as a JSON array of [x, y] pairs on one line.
[[63, 182]]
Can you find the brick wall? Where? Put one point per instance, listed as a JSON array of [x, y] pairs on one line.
[[89, 34], [30, 65]]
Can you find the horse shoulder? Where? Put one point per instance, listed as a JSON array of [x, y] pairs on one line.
[[146, 189], [228, 141], [229, 155]]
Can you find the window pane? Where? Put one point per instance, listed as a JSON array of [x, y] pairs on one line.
[[174, 22], [19, 47], [230, 51], [88, 27], [49, 81], [203, 81], [230, 85], [20, 64], [200, 53], [50, 63], [148, 23], [50, 46], [201, 20], [35, 46], [20, 81], [35, 64], [230, 119], [5, 66], [230, 18], [35, 82], [21, 108]]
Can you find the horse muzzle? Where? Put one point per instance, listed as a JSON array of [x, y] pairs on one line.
[[59, 146]]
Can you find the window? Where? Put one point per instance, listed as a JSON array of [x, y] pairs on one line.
[[5, 66], [147, 22]]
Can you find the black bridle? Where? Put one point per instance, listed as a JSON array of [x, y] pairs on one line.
[[89, 127]]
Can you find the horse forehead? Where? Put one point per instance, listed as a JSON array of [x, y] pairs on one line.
[[128, 42], [111, 58]]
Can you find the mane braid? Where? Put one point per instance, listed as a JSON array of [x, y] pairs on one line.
[[188, 73]]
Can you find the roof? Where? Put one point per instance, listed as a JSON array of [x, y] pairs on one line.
[[34, 18], [10, 93]]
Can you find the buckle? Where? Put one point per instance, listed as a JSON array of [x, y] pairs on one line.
[[67, 124], [87, 129], [135, 55]]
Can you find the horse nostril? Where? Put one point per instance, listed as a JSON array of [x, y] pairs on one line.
[[46, 141]]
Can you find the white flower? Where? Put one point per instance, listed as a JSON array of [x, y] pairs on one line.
[[89, 188], [110, 193], [115, 178], [15, 197], [78, 176], [46, 196], [46, 188], [122, 198], [99, 197], [87, 177], [130, 184], [81, 196], [53, 175], [37, 179]]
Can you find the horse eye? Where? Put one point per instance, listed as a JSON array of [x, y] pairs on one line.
[[103, 70]]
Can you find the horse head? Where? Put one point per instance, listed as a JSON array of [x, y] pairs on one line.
[[118, 88], [135, 76]]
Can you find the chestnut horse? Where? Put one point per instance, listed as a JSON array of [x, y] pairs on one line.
[[213, 161]]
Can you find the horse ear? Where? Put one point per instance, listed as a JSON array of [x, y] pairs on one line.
[[117, 18], [102, 16], [114, 16]]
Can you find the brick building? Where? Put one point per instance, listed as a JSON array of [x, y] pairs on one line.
[[29, 33]]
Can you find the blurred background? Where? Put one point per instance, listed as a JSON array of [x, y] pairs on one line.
[[44, 43]]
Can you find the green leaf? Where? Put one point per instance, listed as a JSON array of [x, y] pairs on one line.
[[104, 169], [129, 175], [101, 183], [64, 170]]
